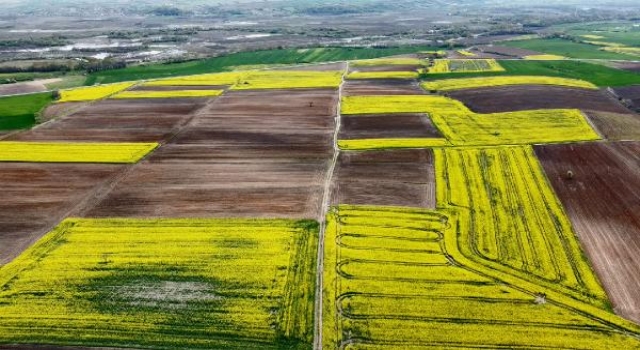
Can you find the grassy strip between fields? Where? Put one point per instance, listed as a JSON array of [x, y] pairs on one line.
[[19, 112], [62, 152]]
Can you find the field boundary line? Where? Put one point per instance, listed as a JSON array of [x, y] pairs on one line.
[[326, 199]]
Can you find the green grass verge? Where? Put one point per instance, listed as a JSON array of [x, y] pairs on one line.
[[19, 112], [218, 64], [594, 73], [567, 48]]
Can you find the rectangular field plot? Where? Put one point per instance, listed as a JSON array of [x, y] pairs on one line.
[[92, 93], [616, 126], [400, 177], [387, 126], [61, 152], [602, 198], [148, 120], [180, 283], [465, 66], [473, 83], [383, 75], [167, 94], [390, 285], [381, 87], [37, 196], [288, 80]]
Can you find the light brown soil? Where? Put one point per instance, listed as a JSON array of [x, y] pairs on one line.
[[387, 126], [518, 98], [35, 197], [148, 120], [382, 87], [25, 87], [603, 202], [390, 177], [248, 154], [630, 66], [615, 126], [59, 109]]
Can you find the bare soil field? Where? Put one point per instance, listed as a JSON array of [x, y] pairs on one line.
[[146, 120], [387, 126], [507, 51], [59, 109], [248, 154], [37, 196], [519, 98], [631, 94], [630, 66], [385, 68], [603, 201], [178, 88], [390, 177], [615, 126], [382, 87], [26, 87]]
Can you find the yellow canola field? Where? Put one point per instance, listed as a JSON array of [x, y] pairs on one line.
[[398, 61], [472, 83], [466, 53], [544, 57], [289, 80], [387, 277], [214, 79], [64, 152], [167, 94], [93, 92], [388, 143], [635, 51], [461, 127], [383, 75], [464, 66], [592, 37], [164, 283]]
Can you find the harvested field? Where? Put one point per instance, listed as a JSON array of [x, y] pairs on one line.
[[631, 94], [381, 87], [250, 154], [387, 126], [507, 51], [390, 177], [37, 196], [602, 199], [614, 126], [520, 98], [118, 121]]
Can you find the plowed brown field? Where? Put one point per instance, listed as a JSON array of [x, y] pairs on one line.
[[390, 177], [387, 126], [382, 87], [616, 126], [519, 98], [603, 201], [35, 197], [631, 94]]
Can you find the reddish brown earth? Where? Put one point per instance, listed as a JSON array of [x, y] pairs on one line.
[[147, 120], [519, 98], [37, 196], [178, 88], [387, 126], [631, 94], [616, 126], [248, 154], [507, 51], [603, 202], [382, 87], [390, 177]]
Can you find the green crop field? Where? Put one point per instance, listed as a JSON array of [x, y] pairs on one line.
[[567, 48], [19, 112], [218, 64]]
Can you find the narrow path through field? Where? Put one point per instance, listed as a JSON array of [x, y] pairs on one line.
[[326, 199]]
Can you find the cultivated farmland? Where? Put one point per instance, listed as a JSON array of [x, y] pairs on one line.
[[464, 66], [471, 83]]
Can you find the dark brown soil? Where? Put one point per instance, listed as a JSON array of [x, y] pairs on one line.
[[390, 177], [518, 98], [37, 196], [603, 201], [631, 95], [387, 126], [249, 154], [616, 126], [178, 88], [382, 87], [60, 109]]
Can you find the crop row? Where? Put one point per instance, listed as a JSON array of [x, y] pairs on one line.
[[401, 289], [238, 284], [63, 152]]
